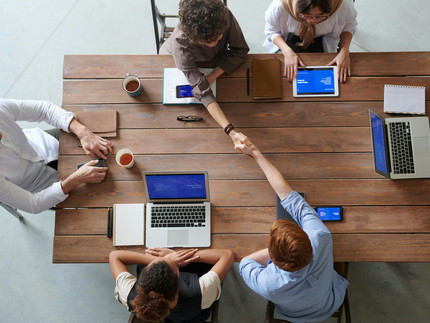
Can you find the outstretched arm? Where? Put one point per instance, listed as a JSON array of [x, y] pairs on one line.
[[275, 178]]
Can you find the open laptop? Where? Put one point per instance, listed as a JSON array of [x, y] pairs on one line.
[[178, 209], [401, 146]]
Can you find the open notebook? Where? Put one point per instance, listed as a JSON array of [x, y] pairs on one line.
[[128, 224]]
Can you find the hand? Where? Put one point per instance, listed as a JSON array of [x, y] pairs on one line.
[[210, 78], [239, 139], [159, 252], [246, 149], [90, 174], [183, 257], [343, 65], [95, 146], [291, 62]]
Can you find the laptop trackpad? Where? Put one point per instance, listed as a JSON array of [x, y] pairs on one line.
[[421, 146], [177, 238]]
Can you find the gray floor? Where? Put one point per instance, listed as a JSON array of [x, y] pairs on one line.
[[34, 37]]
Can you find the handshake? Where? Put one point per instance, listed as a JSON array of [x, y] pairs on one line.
[[243, 145]]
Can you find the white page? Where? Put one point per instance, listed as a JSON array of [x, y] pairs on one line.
[[128, 224], [404, 99], [173, 77]]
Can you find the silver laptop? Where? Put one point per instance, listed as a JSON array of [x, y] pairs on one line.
[[401, 146], [178, 209]]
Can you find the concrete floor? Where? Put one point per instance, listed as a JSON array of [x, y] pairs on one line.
[[34, 37]]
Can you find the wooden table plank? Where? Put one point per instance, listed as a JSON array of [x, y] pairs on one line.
[[228, 90], [271, 114], [236, 166], [359, 192], [269, 140], [150, 66], [347, 248], [357, 219]]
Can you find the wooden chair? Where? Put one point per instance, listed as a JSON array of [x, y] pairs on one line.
[[12, 211], [342, 269], [160, 19]]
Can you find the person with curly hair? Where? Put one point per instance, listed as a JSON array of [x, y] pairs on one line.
[[296, 271], [172, 286], [297, 26], [208, 35]]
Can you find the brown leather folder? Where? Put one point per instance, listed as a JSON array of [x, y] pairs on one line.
[[266, 75], [102, 123]]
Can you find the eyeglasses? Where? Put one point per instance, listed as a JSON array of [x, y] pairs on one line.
[[308, 17]]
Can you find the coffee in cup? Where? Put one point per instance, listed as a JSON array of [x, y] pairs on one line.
[[131, 84], [125, 158]]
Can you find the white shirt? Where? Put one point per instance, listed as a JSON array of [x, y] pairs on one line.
[[280, 23], [210, 286], [26, 182]]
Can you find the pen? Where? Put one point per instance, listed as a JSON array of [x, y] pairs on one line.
[[247, 81], [110, 223]]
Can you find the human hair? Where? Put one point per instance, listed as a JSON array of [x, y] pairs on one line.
[[157, 286], [304, 6], [202, 20], [289, 246]]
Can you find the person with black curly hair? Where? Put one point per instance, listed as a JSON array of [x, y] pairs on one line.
[[208, 35], [174, 286]]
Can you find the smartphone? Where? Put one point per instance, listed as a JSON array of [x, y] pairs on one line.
[[100, 163], [330, 213], [184, 91]]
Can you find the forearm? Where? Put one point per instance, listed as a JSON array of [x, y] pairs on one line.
[[261, 256], [70, 183], [345, 41], [119, 259], [216, 113], [275, 178], [222, 259], [280, 42], [78, 128]]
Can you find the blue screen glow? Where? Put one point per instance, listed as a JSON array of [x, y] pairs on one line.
[[315, 81], [329, 213], [184, 91], [379, 147], [176, 186]]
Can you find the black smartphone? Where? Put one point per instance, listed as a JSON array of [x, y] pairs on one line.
[[330, 213], [184, 91], [100, 163]]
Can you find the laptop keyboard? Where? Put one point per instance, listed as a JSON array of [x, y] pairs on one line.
[[178, 216], [401, 144]]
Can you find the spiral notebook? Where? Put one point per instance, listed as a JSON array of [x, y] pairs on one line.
[[128, 224], [404, 99]]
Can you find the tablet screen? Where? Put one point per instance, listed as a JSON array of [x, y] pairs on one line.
[[316, 81]]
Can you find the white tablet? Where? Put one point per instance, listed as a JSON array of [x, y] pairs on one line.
[[316, 81]]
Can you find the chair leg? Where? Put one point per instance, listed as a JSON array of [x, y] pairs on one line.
[[154, 20], [347, 310], [12, 211]]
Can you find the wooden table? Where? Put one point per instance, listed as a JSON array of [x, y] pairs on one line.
[[321, 145]]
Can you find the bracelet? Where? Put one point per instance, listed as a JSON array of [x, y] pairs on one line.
[[228, 128]]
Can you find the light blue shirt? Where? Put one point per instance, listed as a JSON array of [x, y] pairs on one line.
[[312, 293]]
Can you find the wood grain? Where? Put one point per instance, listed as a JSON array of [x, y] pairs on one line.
[[271, 140], [109, 91], [236, 166], [352, 192], [347, 248], [151, 66], [369, 219]]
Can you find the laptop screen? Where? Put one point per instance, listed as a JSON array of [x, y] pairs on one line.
[[315, 81], [379, 144], [176, 186]]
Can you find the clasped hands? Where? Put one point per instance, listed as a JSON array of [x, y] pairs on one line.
[[181, 257]]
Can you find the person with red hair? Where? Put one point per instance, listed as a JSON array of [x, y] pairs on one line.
[[296, 271]]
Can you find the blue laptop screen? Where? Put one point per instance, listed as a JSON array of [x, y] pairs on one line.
[[176, 186], [379, 143], [315, 81]]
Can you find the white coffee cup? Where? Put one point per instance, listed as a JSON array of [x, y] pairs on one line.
[[125, 158]]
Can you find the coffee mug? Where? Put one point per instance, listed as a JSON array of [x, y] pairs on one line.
[[125, 158], [131, 84]]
